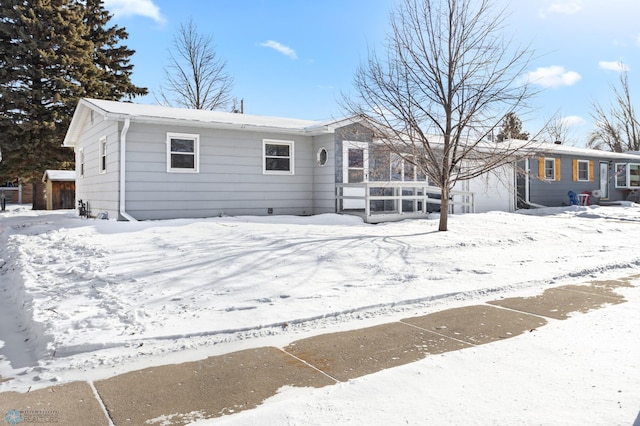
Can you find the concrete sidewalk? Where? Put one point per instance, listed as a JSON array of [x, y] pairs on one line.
[[220, 385]]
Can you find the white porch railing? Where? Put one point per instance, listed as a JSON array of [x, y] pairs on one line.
[[389, 201]]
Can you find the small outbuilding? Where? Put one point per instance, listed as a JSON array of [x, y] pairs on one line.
[[60, 189]]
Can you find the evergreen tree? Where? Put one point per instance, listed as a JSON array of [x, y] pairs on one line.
[[512, 128], [111, 60], [49, 62]]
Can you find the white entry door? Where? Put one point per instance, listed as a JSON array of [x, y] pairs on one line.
[[604, 180], [355, 169]]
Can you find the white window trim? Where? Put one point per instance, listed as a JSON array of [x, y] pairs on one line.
[[81, 161], [405, 163], [553, 161], [102, 155], [291, 157], [196, 147], [627, 175], [625, 170], [588, 171], [319, 156]]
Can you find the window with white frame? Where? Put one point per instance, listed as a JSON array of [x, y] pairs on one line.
[[322, 156], [183, 151], [103, 154], [81, 161], [403, 169], [627, 175], [550, 169], [583, 170], [277, 157]]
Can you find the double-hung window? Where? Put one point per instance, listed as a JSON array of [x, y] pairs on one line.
[[582, 170], [183, 151], [277, 157], [550, 168], [103, 154]]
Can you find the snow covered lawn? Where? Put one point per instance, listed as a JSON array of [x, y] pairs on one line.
[[85, 298]]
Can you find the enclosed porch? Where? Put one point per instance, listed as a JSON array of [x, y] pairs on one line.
[[378, 202]]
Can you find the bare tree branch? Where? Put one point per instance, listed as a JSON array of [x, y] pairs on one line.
[[618, 129], [195, 77], [446, 82]]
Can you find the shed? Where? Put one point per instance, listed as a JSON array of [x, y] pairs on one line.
[[60, 189]]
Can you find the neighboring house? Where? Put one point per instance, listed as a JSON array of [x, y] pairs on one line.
[[59, 190], [608, 177], [140, 162]]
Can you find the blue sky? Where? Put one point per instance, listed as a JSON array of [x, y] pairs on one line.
[[293, 58]]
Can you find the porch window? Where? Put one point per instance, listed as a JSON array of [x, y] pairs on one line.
[[277, 157], [627, 175], [103, 154], [183, 152], [402, 169]]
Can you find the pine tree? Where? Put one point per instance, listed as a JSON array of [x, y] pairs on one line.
[[50, 61], [111, 60], [512, 128]]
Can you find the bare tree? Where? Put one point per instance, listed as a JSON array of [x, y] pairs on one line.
[[558, 129], [618, 129], [195, 77], [446, 82]]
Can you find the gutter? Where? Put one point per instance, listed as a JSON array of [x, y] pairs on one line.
[[123, 164]]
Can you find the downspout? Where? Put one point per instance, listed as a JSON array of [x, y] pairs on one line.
[[527, 182], [123, 166]]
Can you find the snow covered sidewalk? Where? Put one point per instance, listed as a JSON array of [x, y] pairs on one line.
[[234, 382]]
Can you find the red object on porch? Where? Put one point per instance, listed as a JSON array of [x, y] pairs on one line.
[[586, 198]]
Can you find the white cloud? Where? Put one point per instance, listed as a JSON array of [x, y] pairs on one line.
[[285, 50], [128, 8], [562, 7], [573, 121], [614, 66], [553, 76]]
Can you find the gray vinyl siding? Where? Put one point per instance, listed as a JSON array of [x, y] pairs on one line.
[[230, 179], [555, 193], [324, 199], [101, 190]]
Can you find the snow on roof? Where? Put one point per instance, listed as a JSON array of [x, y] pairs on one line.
[[114, 110], [59, 175], [141, 111], [553, 148]]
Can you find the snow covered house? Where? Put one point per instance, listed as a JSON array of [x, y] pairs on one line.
[[140, 162], [593, 176]]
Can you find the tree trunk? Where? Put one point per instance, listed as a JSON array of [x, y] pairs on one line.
[[444, 209]]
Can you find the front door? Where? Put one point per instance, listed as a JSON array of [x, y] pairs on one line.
[[355, 169], [604, 181]]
